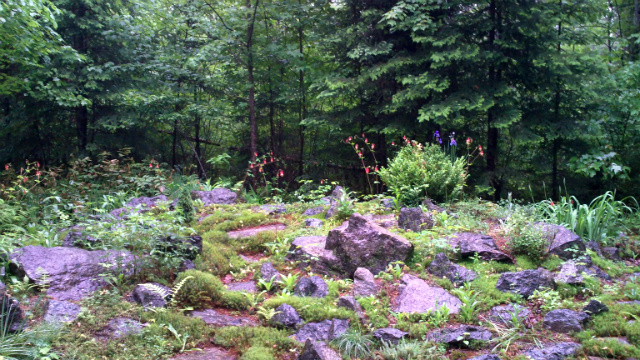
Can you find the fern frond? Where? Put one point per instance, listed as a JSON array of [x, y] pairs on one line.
[[158, 290], [177, 287]]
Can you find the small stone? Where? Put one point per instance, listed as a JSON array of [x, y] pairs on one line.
[[316, 350], [569, 274], [187, 265], [504, 313], [442, 267], [414, 219], [322, 331], [565, 321], [312, 286], [313, 222], [269, 273], [286, 316], [555, 352], [61, 311], [364, 284], [350, 303], [612, 253], [389, 335], [151, 295], [313, 211], [456, 335], [525, 282], [595, 307], [119, 327]]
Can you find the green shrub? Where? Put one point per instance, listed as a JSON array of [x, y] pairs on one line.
[[199, 291], [185, 204], [419, 171], [218, 259], [354, 344]]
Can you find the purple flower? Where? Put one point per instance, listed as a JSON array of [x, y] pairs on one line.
[[437, 134], [440, 141], [453, 142]]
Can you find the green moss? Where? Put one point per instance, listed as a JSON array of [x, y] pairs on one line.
[[613, 268], [312, 309], [218, 259], [552, 262], [610, 348], [258, 353], [199, 291], [487, 294], [235, 300], [244, 338]]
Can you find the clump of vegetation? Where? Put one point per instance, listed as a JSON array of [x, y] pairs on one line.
[[420, 171], [185, 204], [412, 349], [202, 289], [354, 344], [244, 338]]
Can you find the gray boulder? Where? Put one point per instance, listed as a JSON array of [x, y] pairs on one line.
[[322, 331], [470, 244], [349, 302], [317, 350], [269, 273], [313, 222], [214, 318], [119, 327], [310, 251], [569, 274], [565, 321], [389, 335], [388, 203], [149, 295], [562, 242], [416, 296], [312, 286], [585, 265], [363, 243], [61, 311], [525, 282], [71, 273], [457, 334], [486, 357], [286, 316], [505, 314], [558, 351], [313, 211], [443, 268], [364, 284], [215, 196], [595, 307], [414, 219], [595, 247], [612, 253]]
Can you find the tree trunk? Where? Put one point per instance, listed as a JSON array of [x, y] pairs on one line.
[[81, 127], [253, 142], [303, 100]]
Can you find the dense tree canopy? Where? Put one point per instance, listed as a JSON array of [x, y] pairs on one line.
[[548, 89]]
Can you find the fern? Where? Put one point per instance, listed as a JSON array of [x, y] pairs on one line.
[[164, 293]]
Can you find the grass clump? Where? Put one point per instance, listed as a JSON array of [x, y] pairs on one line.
[[412, 349], [236, 300], [353, 344], [199, 291]]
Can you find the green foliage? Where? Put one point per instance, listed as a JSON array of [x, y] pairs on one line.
[[312, 309], [185, 203], [469, 308], [258, 353], [420, 171], [202, 289], [595, 221], [236, 300], [376, 310]]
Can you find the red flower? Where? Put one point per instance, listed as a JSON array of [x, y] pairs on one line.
[[251, 166], [393, 143], [260, 170], [367, 170], [271, 160], [37, 164], [256, 154], [376, 169], [405, 137], [150, 165], [265, 161], [356, 146], [359, 154], [362, 135], [281, 173], [552, 204], [201, 188], [373, 146], [157, 166], [321, 182], [6, 167], [365, 140], [38, 173], [469, 141], [349, 139], [480, 147]]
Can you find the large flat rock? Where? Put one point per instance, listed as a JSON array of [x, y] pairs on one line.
[[310, 251], [215, 318], [236, 234], [70, 273]]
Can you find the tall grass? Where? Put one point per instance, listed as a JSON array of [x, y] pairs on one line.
[[595, 221]]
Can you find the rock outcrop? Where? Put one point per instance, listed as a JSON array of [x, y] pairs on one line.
[[526, 282], [414, 219], [457, 334], [470, 244], [364, 283], [215, 196], [442, 267], [312, 286], [416, 296], [565, 321]]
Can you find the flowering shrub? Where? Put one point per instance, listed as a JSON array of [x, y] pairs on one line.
[[420, 171]]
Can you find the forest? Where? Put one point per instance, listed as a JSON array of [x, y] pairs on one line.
[[547, 89], [319, 179]]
